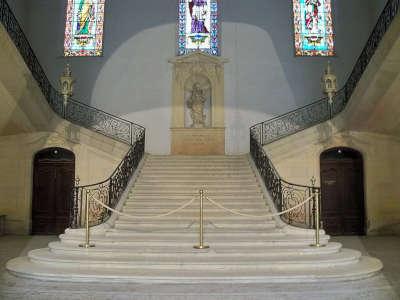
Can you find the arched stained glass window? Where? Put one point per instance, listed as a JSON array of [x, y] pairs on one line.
[[313, 28], [198, 26], [84, 28]]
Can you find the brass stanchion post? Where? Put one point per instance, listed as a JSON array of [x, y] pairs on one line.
[[316, 215], [201, 225], [87, 243]]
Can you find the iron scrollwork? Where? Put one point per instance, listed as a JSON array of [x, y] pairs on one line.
[[320, 110], [110, 190], [287, 195]]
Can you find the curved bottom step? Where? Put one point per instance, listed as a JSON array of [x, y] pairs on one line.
[[23, 267]]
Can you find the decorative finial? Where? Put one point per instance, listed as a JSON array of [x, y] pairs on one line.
[[313, 181], [66, 85], [67, 71], [329, 84], [328, 69]]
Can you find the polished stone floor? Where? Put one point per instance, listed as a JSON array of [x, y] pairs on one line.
[[383, 286]]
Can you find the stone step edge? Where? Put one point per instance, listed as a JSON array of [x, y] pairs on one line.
[[196, 259], [267, 250], [22, 267]]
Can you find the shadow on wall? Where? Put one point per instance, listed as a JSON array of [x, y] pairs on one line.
[[135, 83]]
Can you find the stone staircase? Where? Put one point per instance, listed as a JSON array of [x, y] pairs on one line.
[[160, 249]]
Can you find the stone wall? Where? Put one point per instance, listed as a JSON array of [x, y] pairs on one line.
[[297, 159], [28, 125], [263, 78]]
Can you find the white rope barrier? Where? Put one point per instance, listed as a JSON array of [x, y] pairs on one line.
[[235, 212], [146, 217]]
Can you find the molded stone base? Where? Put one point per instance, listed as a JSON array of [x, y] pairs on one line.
[[198, 141]]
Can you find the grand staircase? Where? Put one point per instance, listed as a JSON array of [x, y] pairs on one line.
[[148, 248]]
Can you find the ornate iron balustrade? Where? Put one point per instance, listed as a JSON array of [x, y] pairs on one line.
[[320, 111], [285, 194], [76, 112], [110, 190]]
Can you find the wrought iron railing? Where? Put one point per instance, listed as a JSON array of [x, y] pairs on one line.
[[287, 194], [320, 111], [284, 194], [108, 191], [86, 116]]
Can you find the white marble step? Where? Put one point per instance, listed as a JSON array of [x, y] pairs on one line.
[[170, 249], [199, 172], [211, 236], [200, 163], [193, 209], [200, 260], [278, 241], [195, 187], [140, 226], [198, 167], [191, 216], [23, 267], [215, 219], [162, 158], [165, 205], [243, 249], [195, 177], [191, 193], [196, 181], [239, 198], [181, 222]]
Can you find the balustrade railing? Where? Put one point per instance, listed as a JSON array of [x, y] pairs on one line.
[[86, 116], [286, 194], [320, 111], [108, 191]]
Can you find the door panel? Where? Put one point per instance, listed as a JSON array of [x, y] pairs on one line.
[[53, 180], [342, 192]]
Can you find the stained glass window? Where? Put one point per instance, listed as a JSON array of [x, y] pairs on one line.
[[313, 28], [84, 28], [198, 26]]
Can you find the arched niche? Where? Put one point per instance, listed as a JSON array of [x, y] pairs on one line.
[[208, 72]]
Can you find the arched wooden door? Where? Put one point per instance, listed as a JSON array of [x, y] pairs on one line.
[[53, 180], [342, 189]]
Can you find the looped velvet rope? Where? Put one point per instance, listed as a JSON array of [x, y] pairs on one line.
[[147, 217], [232, 211], [235, 212]]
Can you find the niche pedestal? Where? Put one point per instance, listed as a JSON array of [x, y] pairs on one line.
[[207, 72], [198, 141]]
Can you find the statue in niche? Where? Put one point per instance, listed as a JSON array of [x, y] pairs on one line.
[[196, 106]]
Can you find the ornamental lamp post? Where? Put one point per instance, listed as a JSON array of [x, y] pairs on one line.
[[329, 83], [67, 86]]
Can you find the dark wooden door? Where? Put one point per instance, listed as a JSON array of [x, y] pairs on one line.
[[53, 180], [342, 188]]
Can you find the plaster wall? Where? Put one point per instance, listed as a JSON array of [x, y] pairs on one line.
[[263, 78], [27, 125], [94, 162], [20, 10], [297, 159]]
